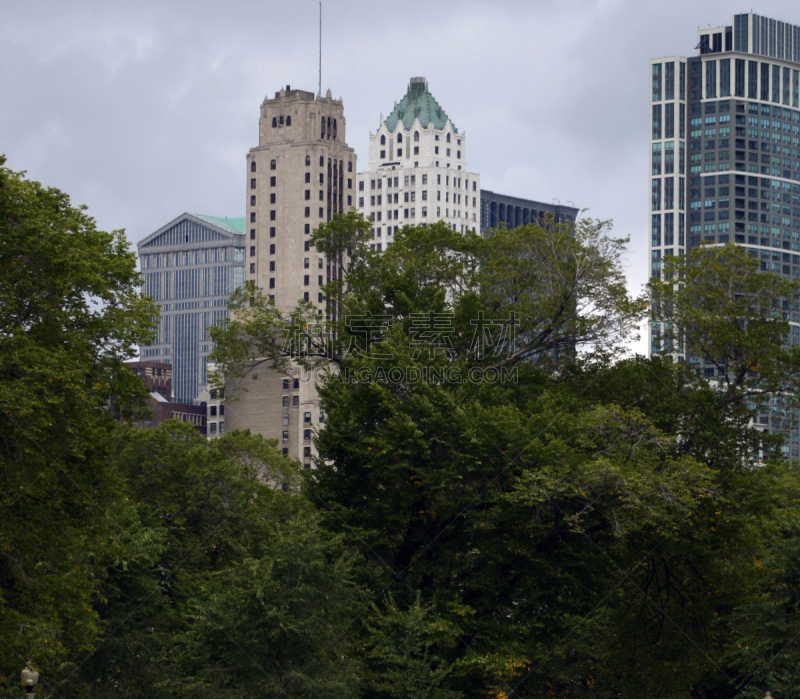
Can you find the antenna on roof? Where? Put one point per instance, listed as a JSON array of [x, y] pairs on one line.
[[319, 91]]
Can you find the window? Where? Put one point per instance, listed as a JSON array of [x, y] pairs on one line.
[[305, 263], [308, 212], [383, 140], [272, 231], [306, 435], [448, 138], [308, 160], [286, 401], [295, 401], [273, 164], [361, 186], [321, 160], [212, 427], [416, 136], [286, 435], [307, 417], [253, 183], [252, 268], [253, 166], [286, 384], [272, 198], [349, 166], [252, 234], [252, 251], [305, 280], [296, 384], [286, 418], [274, 122], [288, 121], [272, 282], [272, 215], [272, 265], [307, 229]]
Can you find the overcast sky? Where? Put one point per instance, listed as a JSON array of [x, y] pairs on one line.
[[143, 110]]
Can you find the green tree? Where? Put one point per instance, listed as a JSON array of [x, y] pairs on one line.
[[243, 593], [70, 314]]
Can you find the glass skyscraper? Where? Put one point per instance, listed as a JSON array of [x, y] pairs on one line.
[[190, 268], [725, 157]]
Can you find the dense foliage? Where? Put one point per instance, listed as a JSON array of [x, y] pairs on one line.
[[502, 506]]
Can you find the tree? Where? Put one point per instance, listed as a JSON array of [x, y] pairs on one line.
[[242, 592], [70, 314], [586, 524]]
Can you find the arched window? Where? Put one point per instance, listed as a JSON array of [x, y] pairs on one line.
[[448, 137], [281, 120], [322, 128], [334, 129], [349, 166], [288, 121], [273, 164], [383, 140], [328, 134], [399, 138], [416, 136], [274, 122], [252, 166], [308, 160]]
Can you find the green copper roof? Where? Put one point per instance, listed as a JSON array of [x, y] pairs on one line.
[[234, 225], [418, 103]]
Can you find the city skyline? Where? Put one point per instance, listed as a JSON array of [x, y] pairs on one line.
[[89, 94]]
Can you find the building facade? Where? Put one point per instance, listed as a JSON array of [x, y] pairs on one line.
[[417, 172], [301, 174], [725, 155], [190, 267], [499, 209], [157, 376]]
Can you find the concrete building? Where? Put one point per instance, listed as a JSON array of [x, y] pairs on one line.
[[301, 173], [190, 267], [514, 211], [157, 376], [724, 160], [417, 172]]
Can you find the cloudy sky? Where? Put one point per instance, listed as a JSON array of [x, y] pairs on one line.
[[143, 110]]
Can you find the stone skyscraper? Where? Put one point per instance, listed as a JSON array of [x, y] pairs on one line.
[[418, 170], [301, 173]]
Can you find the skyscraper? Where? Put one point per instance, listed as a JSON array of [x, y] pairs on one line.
[[418, 170], [190, 267], [725, 153], [301, 173]]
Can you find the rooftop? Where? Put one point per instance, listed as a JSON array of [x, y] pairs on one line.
[[420, 104], [234, 225]]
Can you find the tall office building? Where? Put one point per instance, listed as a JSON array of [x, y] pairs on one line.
[[499, 209], [418, 170], [300, 175], [190, 267], [725, 154]]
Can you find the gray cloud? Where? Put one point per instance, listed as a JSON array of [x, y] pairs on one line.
[[553, 97]]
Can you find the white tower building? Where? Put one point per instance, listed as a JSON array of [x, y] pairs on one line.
[[418, 170]]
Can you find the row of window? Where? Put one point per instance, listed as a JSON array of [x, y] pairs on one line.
[[416, 152], [192, 257], [412, 213], [411, 180], [338, 167], [416, 138], [377, 200]]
